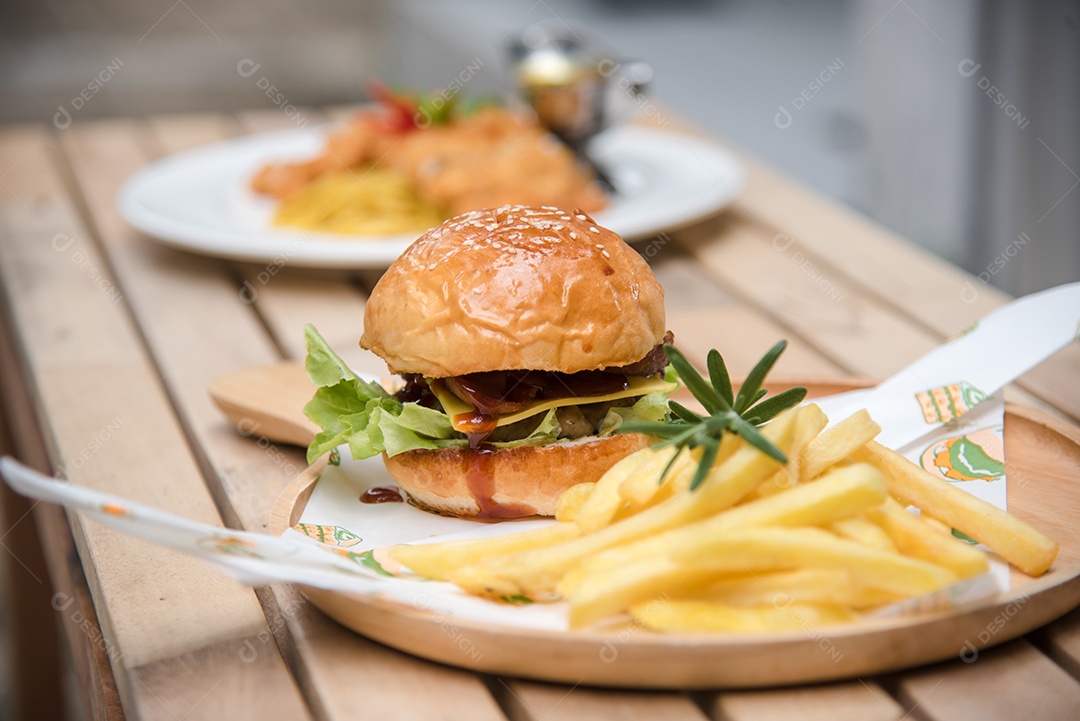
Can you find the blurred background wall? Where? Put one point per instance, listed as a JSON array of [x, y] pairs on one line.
[[954, 124]]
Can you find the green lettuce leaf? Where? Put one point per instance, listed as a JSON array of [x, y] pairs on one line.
[[415, 426], [652, 407], [325, 367], [370, 421], [544, 434]]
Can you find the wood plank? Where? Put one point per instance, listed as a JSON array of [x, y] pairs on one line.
[[339, 672], [1009, 682], [703, 316], [939, 295], [878, 260], [530, 701], [916, 283], [69, 593], [820, 306], [853, 701], [331, 302], [31, 644], [348, 677], [182, 292], [87, 643], [815, 301], [289, 297], [1060, 641], [111, 427]]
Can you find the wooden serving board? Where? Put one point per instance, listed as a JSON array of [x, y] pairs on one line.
[[1043, 461]]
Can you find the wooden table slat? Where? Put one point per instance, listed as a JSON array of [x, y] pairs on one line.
[[851, 298], [531, 701], [1060, 641], [97, 389], [861, 700], [912, 280], [1013, 681], [339, 672], [816, 302]]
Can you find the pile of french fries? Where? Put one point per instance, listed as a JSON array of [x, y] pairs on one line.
[[758, 546]]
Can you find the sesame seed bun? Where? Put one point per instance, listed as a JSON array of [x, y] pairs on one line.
[[515, 288]]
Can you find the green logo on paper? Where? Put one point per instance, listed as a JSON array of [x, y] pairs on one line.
[[332, 535], [946, 403], [977, 456]]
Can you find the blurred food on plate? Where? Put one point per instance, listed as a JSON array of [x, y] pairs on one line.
[[410, 163]]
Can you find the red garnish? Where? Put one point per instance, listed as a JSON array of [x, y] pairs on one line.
[[399, 110]]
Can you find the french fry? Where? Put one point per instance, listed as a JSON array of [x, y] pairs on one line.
[[643, 487], [600, 596], [1015, 541], [703, 616], [537, 572], [440, 560], [832, 586], [708, 558], [605, 501], [571, 501], [863, 531], [841, 493], [934, 523], [837, 443], [811, 421], [913, 537], [729, 444]]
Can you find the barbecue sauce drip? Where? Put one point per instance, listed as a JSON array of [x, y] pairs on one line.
[[381, 494], [502, 392], [479, 467], [476, 426]]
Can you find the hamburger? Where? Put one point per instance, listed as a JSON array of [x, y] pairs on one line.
[[524, 337]]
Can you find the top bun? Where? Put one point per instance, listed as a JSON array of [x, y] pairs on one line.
[[515, 288]]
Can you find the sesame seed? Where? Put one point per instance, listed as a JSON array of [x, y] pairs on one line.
[[605, 253], [593, 229], [582, 216], [573, 235]]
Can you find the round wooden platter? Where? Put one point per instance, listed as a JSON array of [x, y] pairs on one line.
[[1043, 463]]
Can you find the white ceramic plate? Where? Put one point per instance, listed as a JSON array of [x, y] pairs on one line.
[[199, 200]]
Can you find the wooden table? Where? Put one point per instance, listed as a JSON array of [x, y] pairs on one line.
[[109, 343]]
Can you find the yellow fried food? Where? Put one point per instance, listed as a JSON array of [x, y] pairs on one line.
[[706, 616], [487, 159], [368, 201], [441, 560], [758, 546], [537, 572], [1015, 541], [915, 538]]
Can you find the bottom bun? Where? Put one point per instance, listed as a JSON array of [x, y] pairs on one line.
[[506, 483]]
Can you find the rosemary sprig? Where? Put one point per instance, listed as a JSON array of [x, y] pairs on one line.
[[739, 414]]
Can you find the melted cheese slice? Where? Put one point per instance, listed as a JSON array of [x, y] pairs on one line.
[[457, 408]]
